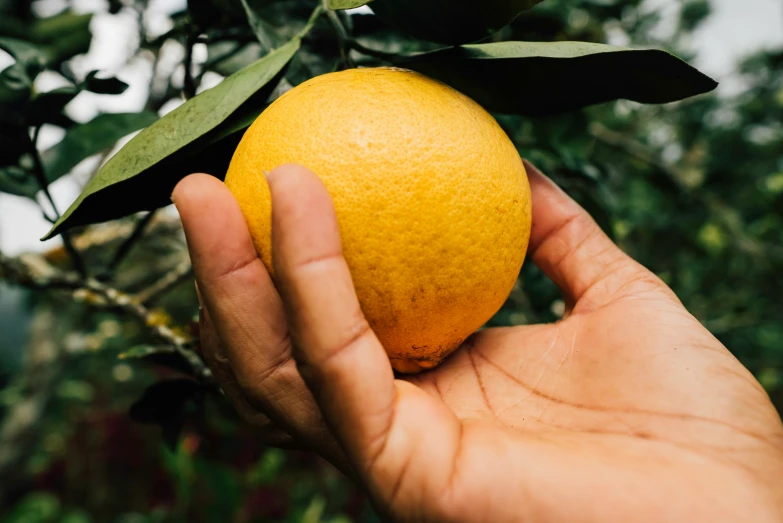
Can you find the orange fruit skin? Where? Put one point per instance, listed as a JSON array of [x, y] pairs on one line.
[[432, 200]]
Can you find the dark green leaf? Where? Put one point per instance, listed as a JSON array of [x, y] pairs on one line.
[[346, 4], [536, 78], [29, 56], [48, 30], [161, 356], [56, 38], [12, 26], [166, 400], [17, 181], [36, 507], [61, 120], [104, 85], [210, 13], [142, 351], [42, 107], [15, 87], [203, 12], [451, 22], [16, 142], [265, 33], [63, 36], [227, 57], [146, 170], [693, 13], [84, 140]]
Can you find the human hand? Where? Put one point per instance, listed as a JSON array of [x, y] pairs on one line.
[[627, 409]]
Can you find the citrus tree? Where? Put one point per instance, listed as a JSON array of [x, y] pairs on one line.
[[692, 189]]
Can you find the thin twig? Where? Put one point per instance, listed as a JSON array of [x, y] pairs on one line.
[[189, 84], [43, 182], [76, 258], [169, 280], [343, 38], [40, 173], [125, 248]]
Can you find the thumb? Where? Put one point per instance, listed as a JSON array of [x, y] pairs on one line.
[[571, 249]]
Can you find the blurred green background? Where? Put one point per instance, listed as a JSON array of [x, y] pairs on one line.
[[693, 190]]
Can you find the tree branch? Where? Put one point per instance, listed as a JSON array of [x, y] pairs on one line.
[[34, 272], [125, 247]]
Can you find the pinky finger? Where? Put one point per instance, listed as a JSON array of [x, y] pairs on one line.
[[269, 433]]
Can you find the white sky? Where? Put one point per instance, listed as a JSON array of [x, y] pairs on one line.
[[736, 28]]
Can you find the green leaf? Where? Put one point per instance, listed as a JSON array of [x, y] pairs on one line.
[[63, 36], [87, 139], [168, 404], [227, 57], [16, 142], [28, 55], [165, 400], [535, 78], [46, 105], [209, 13], [53, 28], [141, 351], [17, 181], [77, 516], [144, 172], [451, 22], [36, 507], [61, 120], [15, 86], [56, 38], [103, 85], [346, 4], [12, 26], [265, 33], [162, 356]]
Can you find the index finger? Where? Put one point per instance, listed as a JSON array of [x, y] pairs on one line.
[[242, 300]]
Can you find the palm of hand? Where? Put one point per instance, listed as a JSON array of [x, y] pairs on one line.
[[622, 390], [627, 410]]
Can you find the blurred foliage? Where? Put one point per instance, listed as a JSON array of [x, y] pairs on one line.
[[693, 190]]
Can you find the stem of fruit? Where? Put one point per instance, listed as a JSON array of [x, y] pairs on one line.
[[343, 38]]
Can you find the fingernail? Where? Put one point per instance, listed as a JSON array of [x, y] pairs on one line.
[[535, 172]]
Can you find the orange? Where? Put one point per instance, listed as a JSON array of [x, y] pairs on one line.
[[432, 200]]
